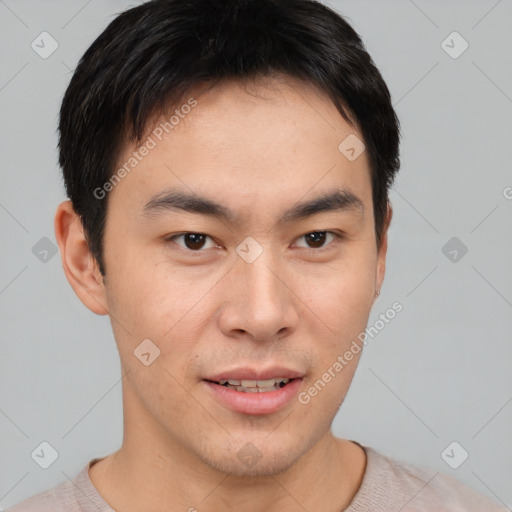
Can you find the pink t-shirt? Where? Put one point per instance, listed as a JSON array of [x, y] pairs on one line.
[[388, 485]]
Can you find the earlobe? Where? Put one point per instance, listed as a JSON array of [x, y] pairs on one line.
[[78, 263]]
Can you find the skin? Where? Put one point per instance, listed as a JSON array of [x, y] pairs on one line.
[[258, 150]]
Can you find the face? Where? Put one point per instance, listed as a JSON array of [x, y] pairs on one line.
[[252, 289]]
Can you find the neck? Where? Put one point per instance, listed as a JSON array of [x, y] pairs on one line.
[[141, 478], [154, 471]]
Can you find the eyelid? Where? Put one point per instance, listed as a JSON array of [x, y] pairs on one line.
[[178, 235], [337, 236]]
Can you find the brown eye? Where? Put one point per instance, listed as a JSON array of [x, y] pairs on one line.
[[191, 241], [317, 239]]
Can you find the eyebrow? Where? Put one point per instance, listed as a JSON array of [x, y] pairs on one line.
[[175, 200]]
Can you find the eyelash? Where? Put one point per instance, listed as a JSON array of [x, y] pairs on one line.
[[336, 236]]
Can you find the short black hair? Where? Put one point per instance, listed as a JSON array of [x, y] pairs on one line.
[[151, 55]]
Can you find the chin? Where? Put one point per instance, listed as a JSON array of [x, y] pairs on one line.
[[256, 458]]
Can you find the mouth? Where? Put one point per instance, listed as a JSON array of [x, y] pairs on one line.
[[254, 396], [254, 386]]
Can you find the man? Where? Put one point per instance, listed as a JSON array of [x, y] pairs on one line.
[[228, 167]]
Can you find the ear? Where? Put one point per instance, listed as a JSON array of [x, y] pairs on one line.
[[79, 265], [381, 257]]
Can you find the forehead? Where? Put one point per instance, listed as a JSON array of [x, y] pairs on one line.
[[273, 111], [265, 107], [274, 140]]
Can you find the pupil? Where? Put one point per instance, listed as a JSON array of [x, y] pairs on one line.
[[318, 238], [196, 239]]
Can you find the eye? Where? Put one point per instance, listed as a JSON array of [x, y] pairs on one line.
[[318, 238], [195, 242], [191, 241]]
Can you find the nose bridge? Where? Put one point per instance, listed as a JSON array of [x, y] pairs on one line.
[[261, 284], [263, 303]]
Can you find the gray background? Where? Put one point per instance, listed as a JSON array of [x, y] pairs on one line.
[[439, 372]]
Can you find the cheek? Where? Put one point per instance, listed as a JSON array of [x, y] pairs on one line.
[[138, 287], [342, 294], [165, 305]]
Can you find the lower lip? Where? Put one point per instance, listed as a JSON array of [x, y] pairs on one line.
[[255, 403]]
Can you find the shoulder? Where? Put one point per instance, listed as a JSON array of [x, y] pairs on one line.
[[415, 488], [77, 495], [60, 498]]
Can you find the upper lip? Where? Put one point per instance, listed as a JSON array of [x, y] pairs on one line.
[[247, 373]]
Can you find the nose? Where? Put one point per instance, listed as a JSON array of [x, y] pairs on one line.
[[261, 303]]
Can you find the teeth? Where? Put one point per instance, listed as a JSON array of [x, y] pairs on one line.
[[265, 383], [249, 390], [252, 386]]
